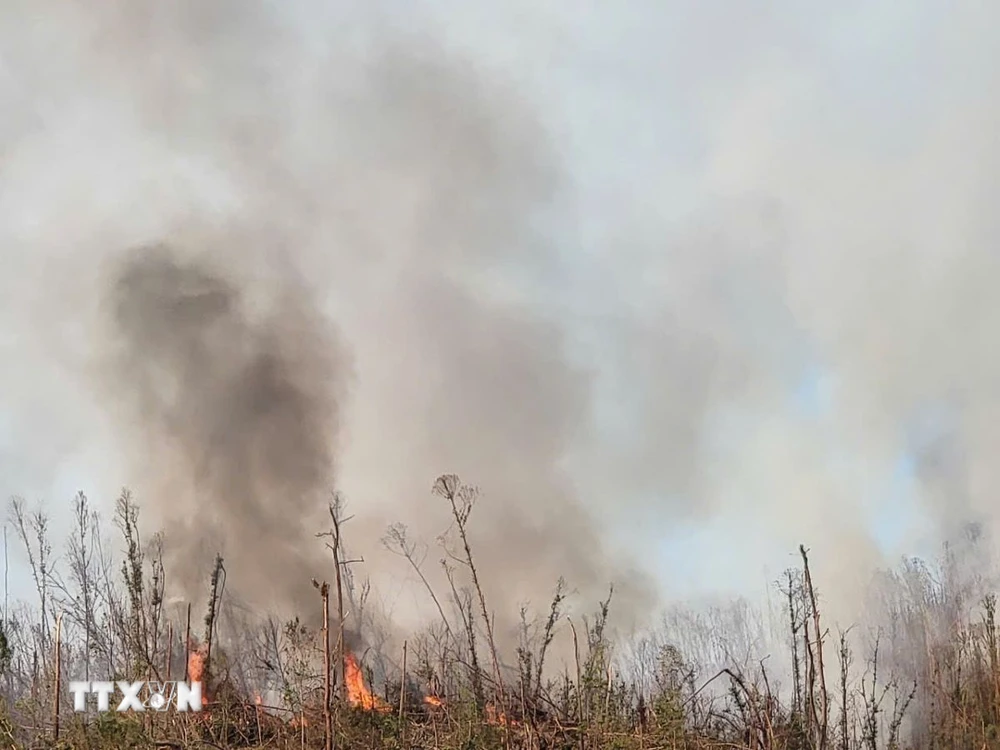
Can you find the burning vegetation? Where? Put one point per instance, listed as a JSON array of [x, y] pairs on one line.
[[283, 688], [433, 701], [358, 695], [196, 668]]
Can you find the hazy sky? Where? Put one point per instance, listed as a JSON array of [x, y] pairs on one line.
[[770, 252]]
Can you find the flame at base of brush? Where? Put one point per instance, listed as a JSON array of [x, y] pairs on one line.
[[358, 695], [197, 661], [498, 718], [433, 701]]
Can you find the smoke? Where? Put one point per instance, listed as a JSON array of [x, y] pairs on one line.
[[292, 271], [239, 414], [422, 256]]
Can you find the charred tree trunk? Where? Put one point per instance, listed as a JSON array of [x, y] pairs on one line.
[[210, 617], [824, 717]]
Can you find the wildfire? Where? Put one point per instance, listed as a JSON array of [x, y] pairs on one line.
[[196, 670], [357, 694], [434, 701], [498, 718]]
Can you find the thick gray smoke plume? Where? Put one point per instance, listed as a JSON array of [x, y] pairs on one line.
[[592, 271], [239, 408], [303, 264]]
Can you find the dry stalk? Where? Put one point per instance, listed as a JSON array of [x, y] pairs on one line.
[[58, 677], [461, 499], [824, 696], [324, 592]]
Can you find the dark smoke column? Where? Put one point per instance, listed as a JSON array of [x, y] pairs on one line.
[[231, 416]]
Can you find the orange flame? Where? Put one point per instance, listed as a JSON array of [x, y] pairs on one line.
[[196, 669], [498, 718], [357, 694], [433, 700]]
